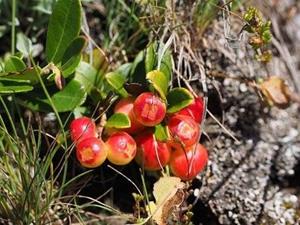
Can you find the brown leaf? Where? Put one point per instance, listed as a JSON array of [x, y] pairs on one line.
[[169, 193], [274, 92]]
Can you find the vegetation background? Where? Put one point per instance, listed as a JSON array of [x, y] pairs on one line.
[[223, 50]]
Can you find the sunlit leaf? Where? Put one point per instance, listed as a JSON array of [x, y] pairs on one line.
[[179, 98], [159, 82], [117, 81], [119, 121]]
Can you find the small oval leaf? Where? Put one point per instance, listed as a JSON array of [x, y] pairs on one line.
[[179, 98], [161, 133], [119, 121], [151, 58], [91, 80], [159, 82], [72, 96], [116, 81], [14, 64]]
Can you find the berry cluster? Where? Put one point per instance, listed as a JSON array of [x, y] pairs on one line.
[[181, 151]]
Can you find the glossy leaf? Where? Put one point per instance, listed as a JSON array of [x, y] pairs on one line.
[[24, 44], [150, 59], [72, 96], [166, 65], [161, 133], [159, 82], [72, 56], [119, 121], [179, 98], [63, 27], [14, 64], [116, 82]]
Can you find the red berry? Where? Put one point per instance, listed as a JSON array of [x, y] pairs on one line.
[[184, 131], [151, 154], [149, 109], [91, 152], [187, 164], [82, 128], [121, 148], [125, 106], [194, 110]]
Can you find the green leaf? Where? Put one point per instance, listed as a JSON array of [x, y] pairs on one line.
[[166, 65], [72, 96], [119, 121], [116, 82], [63, 27], [161, 133], [8, 87], [72, 56], [24, 44], [124, 69], [30, 75], [91, 80], [179, 98], [159, 82], [97, 59], [150, 59], [14, 64], [138, 72]]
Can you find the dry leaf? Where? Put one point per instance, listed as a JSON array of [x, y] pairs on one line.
[[169, 193], [275, 92]]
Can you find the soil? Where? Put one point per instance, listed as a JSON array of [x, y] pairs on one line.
[[255, 180]]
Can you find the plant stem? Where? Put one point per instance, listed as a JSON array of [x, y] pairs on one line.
[[13, 26]]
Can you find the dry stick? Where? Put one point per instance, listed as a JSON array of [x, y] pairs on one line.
[[223, 127]]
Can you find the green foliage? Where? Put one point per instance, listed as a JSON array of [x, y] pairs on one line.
[[65, 100], [116, 81], [205, 12], [178, 98], [261, 34], [63, 27], [158, 82], [72, 56], [119, 121], [14, 64], [161, 132]]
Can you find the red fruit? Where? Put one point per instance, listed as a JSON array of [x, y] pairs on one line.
[[149, 109], [121, 148], [184, 131], [194, 110], [151, 154], [186, 164], [82, 128], [91, 152], [125, 105]]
